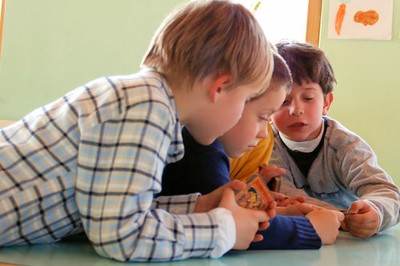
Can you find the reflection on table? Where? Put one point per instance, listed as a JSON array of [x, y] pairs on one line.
[[383, 249]]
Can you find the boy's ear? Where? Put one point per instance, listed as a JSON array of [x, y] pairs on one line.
[[218, 86], [327, 103]]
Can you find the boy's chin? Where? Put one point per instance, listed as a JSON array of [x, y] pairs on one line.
[[205, 140], [236, 154], [201, 137]]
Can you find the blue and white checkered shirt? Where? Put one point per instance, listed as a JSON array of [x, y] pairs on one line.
[[92, 161]]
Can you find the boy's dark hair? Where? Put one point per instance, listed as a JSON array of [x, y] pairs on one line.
[[281, 74], [307, 63]]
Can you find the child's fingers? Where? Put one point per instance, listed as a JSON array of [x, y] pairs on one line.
[[300, 199], [360, 218], [271, 210], [359, 207], [261, 216], [303, 208], [263, 226], [279, 196], [362, 225], [272, 205], [213, 199], [236, 185], [258, 238], [343, 226], [361, 231], [270, 171], [340, 216], [228, 200]]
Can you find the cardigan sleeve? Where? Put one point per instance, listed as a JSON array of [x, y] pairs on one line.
[[289, 232]]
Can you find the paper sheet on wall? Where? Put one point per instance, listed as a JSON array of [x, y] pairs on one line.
[[360, 19]]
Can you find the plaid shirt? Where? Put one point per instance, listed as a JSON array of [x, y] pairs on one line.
[[92, 161]]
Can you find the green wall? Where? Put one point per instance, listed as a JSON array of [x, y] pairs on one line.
[[53, 46], [368, 91]]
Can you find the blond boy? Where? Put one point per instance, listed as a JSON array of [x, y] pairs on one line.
[[92, 160]]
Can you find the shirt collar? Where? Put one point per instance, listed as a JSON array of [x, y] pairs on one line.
[[303, 146]]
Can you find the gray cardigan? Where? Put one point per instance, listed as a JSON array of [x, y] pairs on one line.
[[346, 169]]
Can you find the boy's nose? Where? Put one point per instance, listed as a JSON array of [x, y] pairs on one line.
[[263, 132], [296, 110]]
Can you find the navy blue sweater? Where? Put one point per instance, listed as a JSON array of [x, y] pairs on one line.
[[205, 168]]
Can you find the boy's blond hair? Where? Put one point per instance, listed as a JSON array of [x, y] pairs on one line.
[[208, 39]]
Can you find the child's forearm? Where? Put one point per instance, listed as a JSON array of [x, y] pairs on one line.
[[289, 232], [290, 190], [181, 204]]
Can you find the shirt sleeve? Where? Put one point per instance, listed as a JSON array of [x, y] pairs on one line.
[[180, 204], [289, 232], [360, 172], [288, 188], [119, 170]]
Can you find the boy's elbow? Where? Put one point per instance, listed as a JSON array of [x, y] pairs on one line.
[[119, 244]]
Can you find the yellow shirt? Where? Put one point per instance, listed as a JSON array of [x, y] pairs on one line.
[[248, 163]]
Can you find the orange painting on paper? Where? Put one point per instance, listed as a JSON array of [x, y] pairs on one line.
[[361, 19], [369, 17], [341, 12]]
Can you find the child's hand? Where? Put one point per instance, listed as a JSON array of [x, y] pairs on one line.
[[283, 201], [299, 209], [268, 171], [326, 223], [271, 210], [211, 200], [362, 220], [247, 221]]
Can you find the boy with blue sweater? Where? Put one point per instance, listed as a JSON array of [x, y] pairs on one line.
[[207, 167]]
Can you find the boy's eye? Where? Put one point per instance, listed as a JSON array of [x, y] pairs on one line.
[[250, 99], [308, 97], [265, 117]]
